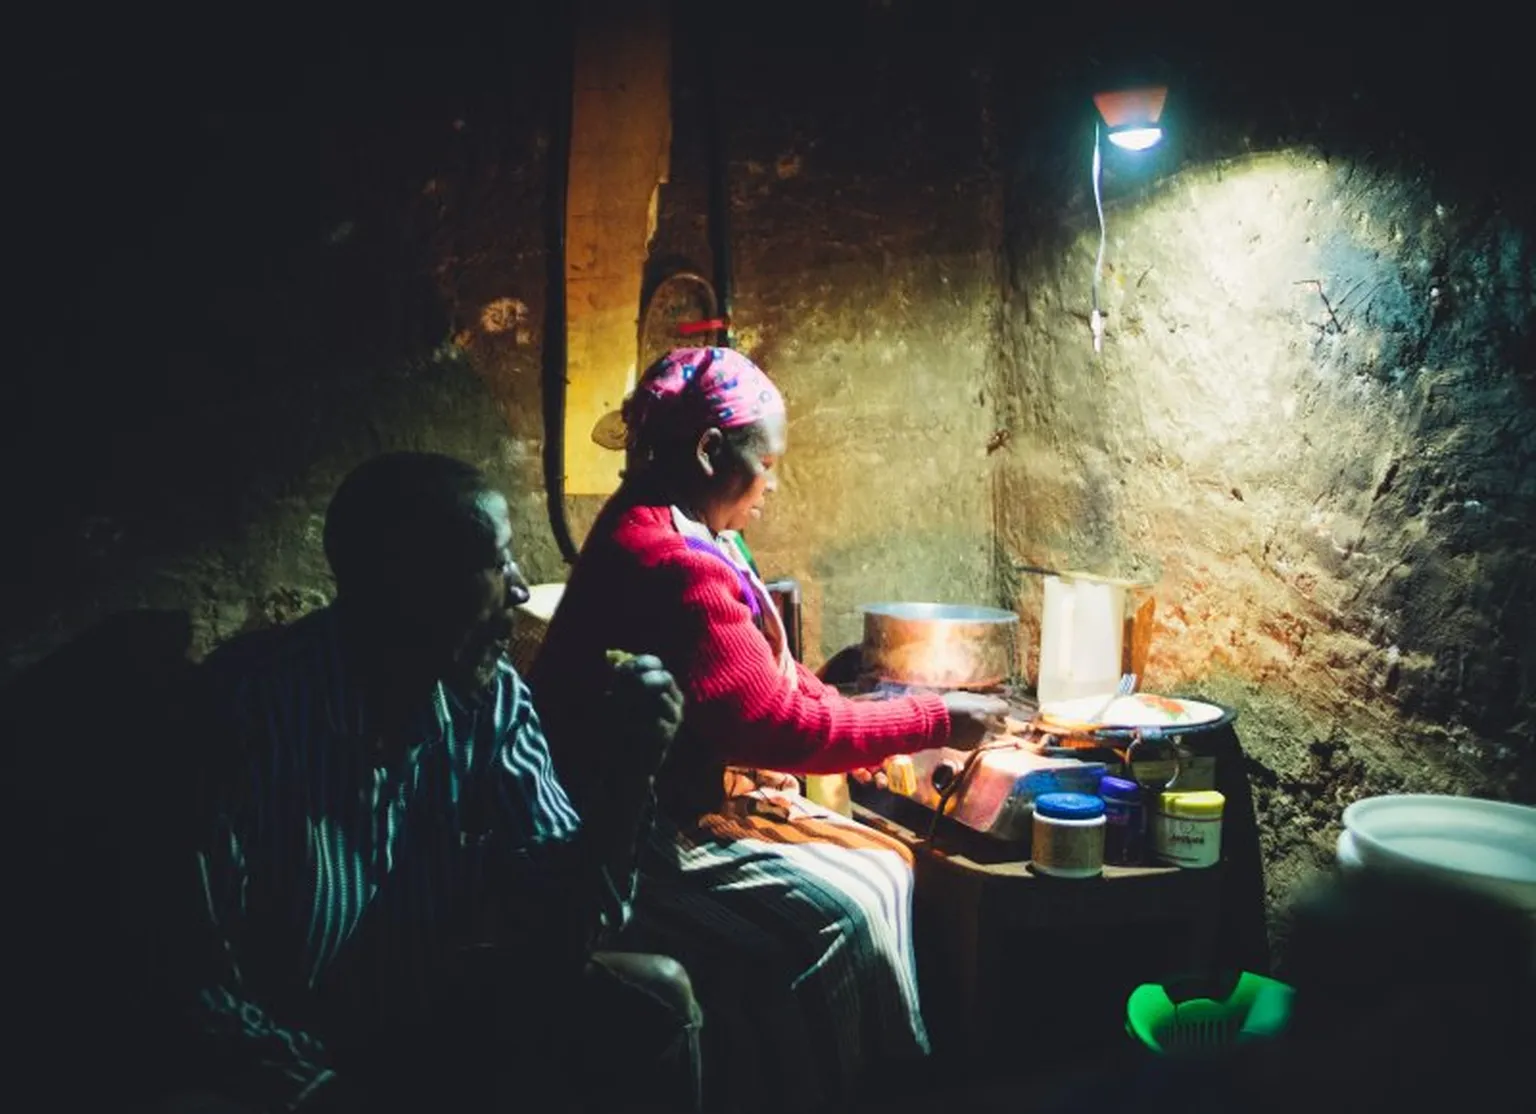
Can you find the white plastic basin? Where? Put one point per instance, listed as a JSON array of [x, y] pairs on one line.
[[1487, 845]]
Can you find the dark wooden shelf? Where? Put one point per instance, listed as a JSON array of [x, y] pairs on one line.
[[991, 933]]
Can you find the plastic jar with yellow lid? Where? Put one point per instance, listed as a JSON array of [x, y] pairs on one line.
[[1187, 829]]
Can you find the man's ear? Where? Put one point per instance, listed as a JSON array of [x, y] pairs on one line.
[[707, 451]]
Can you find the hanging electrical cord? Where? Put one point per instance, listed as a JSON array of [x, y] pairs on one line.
[[554, 369], [1096, 320]]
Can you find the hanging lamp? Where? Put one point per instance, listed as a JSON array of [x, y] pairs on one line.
[[1129, 117]]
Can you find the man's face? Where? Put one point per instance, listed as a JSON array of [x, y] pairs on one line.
[[478, 589]]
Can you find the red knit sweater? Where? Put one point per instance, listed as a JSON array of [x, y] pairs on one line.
[[638, 587]]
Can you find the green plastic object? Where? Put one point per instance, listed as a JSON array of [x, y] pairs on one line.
[[1200, 1017]]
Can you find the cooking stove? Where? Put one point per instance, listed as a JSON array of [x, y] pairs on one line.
[[990, 790]]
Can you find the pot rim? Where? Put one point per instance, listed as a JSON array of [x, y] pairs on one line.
[[909, 611]]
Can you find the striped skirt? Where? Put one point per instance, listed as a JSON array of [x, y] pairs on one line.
[[795, 925]]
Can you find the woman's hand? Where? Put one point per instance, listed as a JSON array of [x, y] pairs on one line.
[[972, 717], [870, 775]]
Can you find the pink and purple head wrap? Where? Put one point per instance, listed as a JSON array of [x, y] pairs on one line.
[[690, 390]]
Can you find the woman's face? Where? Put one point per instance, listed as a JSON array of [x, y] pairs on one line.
[[740, 473]]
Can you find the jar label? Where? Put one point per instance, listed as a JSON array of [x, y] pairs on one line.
[[1068, 847], [1184, 841], [1121, 814]]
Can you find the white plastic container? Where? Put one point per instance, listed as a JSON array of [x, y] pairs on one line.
[[1082, 635], [1486, 845]]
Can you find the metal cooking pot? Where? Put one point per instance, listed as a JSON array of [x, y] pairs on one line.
[[939, 645]]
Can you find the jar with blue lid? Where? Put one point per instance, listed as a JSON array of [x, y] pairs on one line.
[[1068, 836], [1125, 821]]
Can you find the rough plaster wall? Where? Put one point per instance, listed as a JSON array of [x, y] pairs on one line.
[[1332, 481], [301, 282], [240, 295], [866, 221]]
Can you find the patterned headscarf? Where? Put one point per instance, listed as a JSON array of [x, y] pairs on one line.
[[690, 390]]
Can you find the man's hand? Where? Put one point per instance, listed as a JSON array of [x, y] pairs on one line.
[[645, 700], [972, 717]]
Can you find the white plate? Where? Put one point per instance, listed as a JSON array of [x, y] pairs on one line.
[[1137, 710], [1490, 845]]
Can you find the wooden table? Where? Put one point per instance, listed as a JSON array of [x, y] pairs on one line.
[[1005, 953]]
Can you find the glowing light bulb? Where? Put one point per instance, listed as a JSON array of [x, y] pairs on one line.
[[1135, 139]]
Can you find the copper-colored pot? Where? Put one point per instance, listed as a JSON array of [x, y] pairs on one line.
[[940, 645]]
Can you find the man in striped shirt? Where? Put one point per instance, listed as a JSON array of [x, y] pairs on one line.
[[402, 901]]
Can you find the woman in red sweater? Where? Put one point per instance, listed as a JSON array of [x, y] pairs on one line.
[[793, 922]]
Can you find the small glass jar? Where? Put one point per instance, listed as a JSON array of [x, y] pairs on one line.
[[1068, 835], [1125, 821]]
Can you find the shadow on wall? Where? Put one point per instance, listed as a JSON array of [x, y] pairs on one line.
[[241, 286], [100, 788], [83, 726]]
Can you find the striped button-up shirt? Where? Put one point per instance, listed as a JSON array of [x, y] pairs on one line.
[[334, 862]]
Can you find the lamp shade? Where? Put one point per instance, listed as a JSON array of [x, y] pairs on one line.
[[1131, 115], [1132, 108]]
